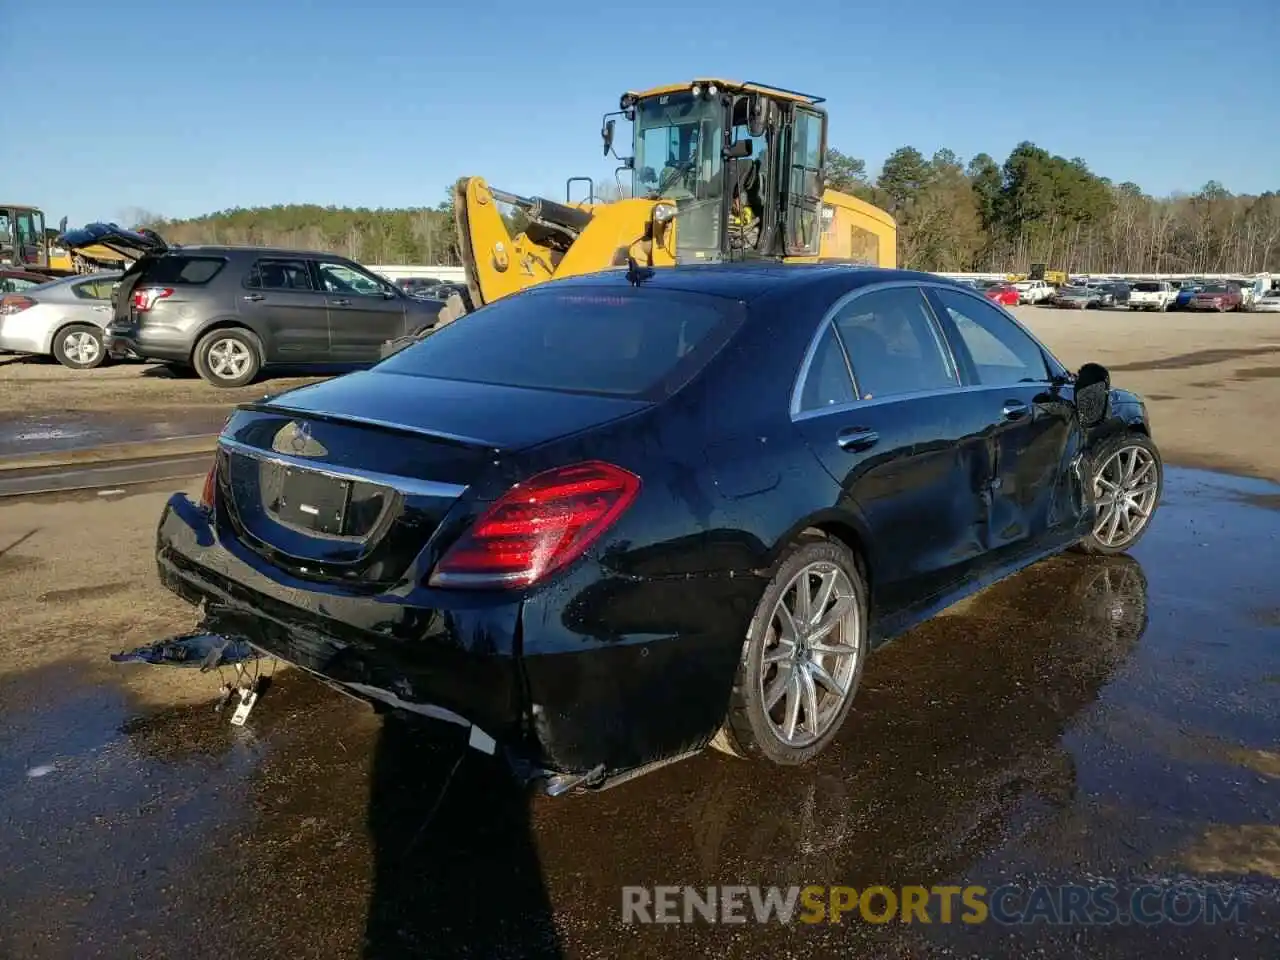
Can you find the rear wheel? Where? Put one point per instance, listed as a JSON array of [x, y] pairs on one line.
[[1127, 480], [803, 657], [228, 358], [79, 346]]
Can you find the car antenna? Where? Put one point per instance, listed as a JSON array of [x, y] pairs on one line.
[[637, 274]]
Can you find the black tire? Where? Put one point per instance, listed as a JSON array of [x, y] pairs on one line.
[[1100, 461], [748, 730], [79, 346], [230, 342]]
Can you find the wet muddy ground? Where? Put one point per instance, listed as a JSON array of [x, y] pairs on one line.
[[1086, 719]]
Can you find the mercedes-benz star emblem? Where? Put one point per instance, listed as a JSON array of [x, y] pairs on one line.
[[295, 438]]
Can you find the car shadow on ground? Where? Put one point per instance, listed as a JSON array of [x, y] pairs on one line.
[[456, 871]]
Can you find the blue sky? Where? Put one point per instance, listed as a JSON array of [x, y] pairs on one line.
[[186, 108]]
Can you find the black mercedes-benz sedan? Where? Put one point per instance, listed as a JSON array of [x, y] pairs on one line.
[[611, 520]]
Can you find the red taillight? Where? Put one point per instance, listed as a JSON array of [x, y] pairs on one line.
[[145, 298], [14, 304], [537, 527], [210, 485]]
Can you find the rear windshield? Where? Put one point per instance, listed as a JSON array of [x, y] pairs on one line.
[[175, 269], [621, 342], [1147, 287]]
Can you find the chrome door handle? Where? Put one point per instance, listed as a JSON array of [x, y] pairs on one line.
[[857, 438], [340, 303], [1014, 410], [253, 297]]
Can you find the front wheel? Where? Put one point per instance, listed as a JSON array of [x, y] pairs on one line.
[[803, 657], [228, 358], [1127, 481], [79, 347]]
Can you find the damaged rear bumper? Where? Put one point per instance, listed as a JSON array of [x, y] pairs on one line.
[[562, 704]]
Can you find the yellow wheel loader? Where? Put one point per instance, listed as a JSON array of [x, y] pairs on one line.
[[25, 244], [720, 171]]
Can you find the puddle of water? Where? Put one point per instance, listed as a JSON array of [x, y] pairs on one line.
[[41, 433]]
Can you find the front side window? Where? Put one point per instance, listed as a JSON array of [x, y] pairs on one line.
[[1002, 352], [641, 344], [339, 278], [678, 139], [893, 344], [271, 273]]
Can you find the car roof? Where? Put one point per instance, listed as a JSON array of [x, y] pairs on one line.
[[748, 280], [218, 249]]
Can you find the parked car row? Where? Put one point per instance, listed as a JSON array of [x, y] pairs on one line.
[[226, 312], [1093, 293]]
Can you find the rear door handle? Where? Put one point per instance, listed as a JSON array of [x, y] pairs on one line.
[[340, 303], [1014, 410], [254, 297], [857, 438]]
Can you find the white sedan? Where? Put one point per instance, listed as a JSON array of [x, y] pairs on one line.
[[64, 318], [1269, 302]]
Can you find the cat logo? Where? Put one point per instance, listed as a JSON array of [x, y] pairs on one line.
[[295, 438]]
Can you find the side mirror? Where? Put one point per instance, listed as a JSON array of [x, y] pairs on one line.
[[606, 134], [1093, 394], [738, 150]]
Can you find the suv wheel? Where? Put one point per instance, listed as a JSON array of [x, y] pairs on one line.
[[228, 358]]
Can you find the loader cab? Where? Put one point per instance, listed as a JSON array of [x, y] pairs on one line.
[[731, 156], [22, 237]]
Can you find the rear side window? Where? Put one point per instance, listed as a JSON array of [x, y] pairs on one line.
[[94, 289], [272, 273], [893, 344], [635, 343], [178, 269]]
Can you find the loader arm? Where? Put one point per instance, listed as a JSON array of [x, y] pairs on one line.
[[561, 239]]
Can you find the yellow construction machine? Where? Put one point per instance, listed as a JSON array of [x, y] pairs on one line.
[[720, 171], [25, 244]]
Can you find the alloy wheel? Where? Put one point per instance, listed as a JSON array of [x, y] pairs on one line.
[[1125, 486], [811, 654], [228, 358], [81, 347]]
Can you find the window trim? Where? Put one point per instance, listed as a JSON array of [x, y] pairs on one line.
[[1052, 363]]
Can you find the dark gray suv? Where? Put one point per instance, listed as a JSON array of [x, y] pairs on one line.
[[231, 311]]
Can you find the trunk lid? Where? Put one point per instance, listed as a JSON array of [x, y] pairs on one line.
[[347, 481], [133, 244]]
